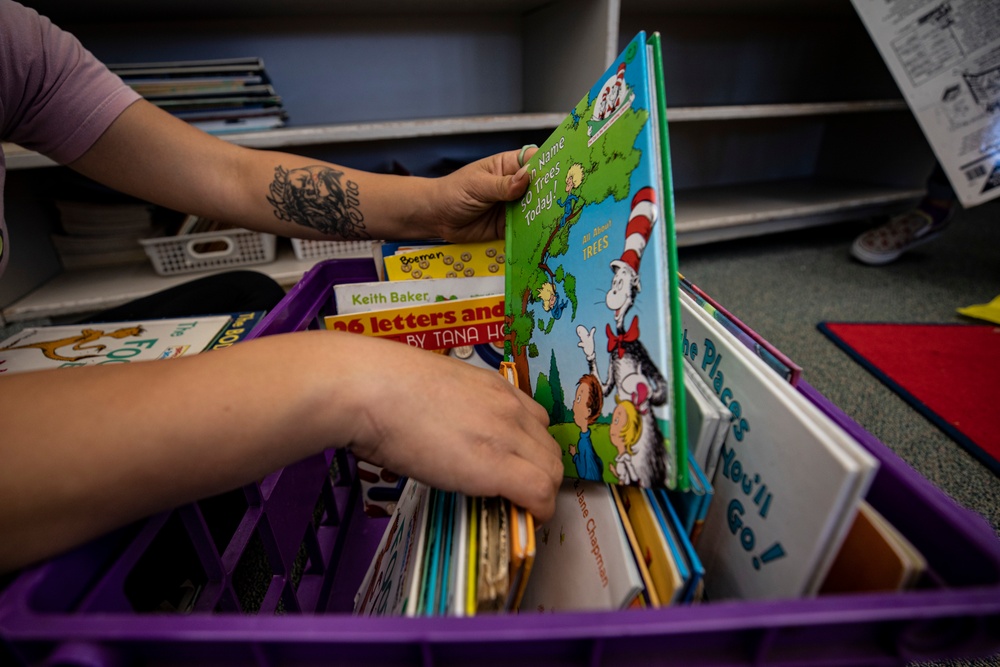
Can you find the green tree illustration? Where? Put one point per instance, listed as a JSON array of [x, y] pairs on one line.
[[607, 166]]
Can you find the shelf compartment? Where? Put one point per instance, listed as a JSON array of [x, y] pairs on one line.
[[705, 215]]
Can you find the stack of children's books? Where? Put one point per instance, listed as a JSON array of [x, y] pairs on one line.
[[220, 96], [694, 470]]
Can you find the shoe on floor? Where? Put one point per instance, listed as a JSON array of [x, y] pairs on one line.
[[888, 242]]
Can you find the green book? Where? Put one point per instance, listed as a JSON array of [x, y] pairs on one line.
[[591, 288]]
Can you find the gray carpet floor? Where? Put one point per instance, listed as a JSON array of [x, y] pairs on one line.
[[783, 285]]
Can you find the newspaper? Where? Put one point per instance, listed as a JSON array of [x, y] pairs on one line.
[[945, 58]]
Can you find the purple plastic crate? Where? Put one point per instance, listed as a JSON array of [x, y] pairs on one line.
[[303, 527]]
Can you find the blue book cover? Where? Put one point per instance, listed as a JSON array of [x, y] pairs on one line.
[[691, 506], [677, 556], [592, 301], [696, 571]]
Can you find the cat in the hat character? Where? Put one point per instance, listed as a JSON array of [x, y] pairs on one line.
[[631, 371], [612, 96]]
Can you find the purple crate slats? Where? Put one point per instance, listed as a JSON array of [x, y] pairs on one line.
[[107, 594], [299, 487], [311, 295], [54, 606]]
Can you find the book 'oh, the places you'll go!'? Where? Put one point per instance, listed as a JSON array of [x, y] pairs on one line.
[[591, 282]]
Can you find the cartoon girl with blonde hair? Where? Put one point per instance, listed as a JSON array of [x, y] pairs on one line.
[[625, 431]]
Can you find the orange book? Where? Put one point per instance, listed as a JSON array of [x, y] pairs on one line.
[[433, 326]]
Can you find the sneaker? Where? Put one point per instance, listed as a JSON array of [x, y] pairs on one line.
[[888, 242]]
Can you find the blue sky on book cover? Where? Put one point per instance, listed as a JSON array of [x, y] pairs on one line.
[[588, 271]]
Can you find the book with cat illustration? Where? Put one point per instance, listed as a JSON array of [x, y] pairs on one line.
[[592, 284]]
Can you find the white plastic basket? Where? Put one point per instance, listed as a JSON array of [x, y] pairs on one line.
[[209, 250], [312, 249]]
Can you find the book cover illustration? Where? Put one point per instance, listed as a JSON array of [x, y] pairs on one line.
[[583, 559], [787, 481], [432, 326], [591, 276], [460, 260], [72, 345], [387, 585]]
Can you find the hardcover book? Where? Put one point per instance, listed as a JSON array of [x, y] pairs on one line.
[[583, 558], [432, 326], [74, 345], [459, 260], [364, 297], [788, 479], [387, 587], [708, 421], [875, 556], [592, 285], [772, 356]]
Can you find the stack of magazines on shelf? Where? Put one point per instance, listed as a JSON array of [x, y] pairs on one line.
[[219, 96]]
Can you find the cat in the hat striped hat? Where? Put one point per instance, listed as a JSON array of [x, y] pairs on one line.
[[631, 371]]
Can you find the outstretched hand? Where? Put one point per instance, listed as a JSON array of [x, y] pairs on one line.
[[586, 340], [471, 200], [456, 427]]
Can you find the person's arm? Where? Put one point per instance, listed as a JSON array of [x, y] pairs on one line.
[[86, 450], [149, 154]]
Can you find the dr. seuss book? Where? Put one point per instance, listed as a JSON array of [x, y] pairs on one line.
[[101, 344], [788, 478], [592, 286]]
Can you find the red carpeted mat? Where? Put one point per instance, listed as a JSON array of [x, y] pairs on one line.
[[948, 372]]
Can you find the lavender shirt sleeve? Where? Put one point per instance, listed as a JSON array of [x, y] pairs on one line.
[[55, 96]]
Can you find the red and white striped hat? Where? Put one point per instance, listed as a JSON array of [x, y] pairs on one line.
[[637, 231]]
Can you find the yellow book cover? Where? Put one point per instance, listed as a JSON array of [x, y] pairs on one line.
[[662, 569], [640, 560], [433, 326], [472, 578], [448, 261]]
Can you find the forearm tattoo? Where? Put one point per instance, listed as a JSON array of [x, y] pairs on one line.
[[314, 197]]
